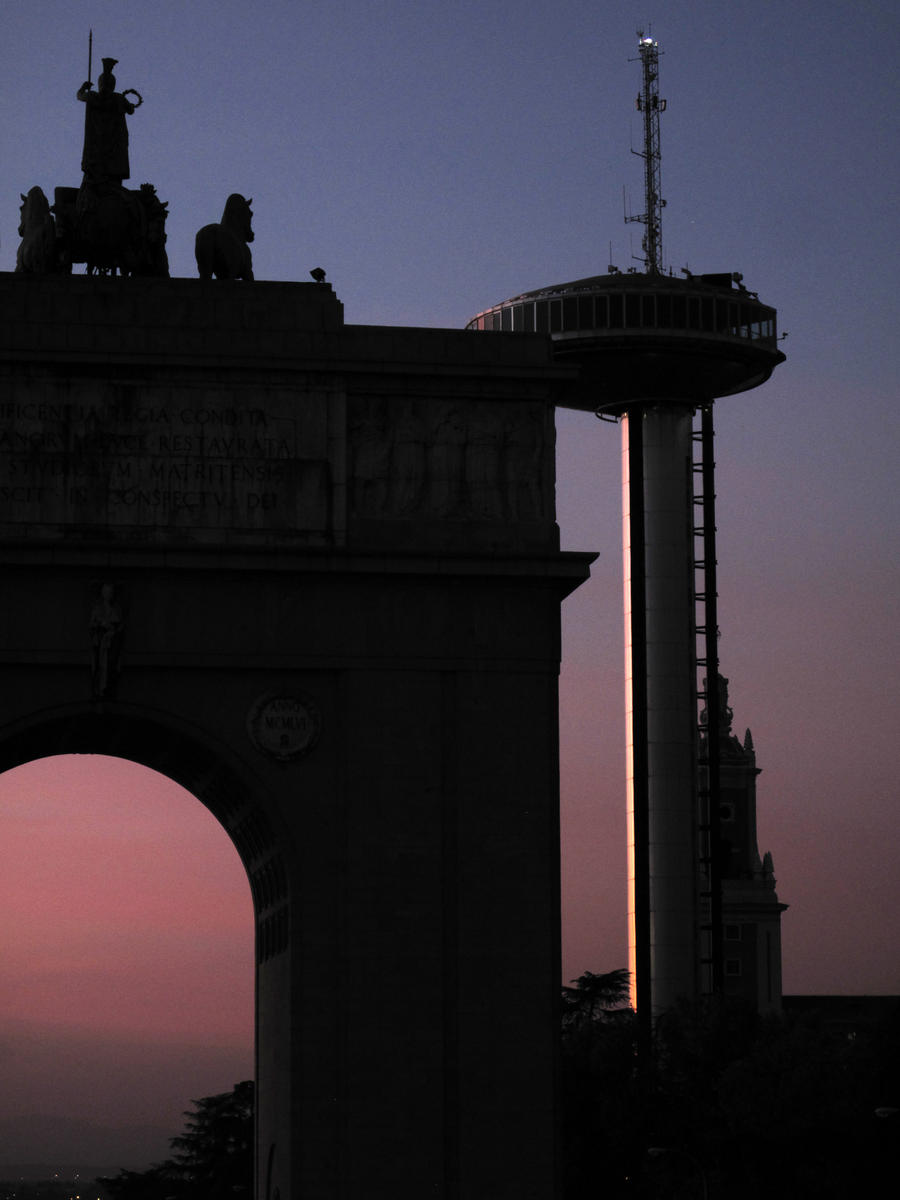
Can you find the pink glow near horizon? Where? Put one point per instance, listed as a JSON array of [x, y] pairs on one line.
[[125, 901]]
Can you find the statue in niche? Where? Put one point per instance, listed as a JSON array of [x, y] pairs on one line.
[[223, 250], [107, 625]]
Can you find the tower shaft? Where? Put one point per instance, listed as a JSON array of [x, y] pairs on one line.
[[660, 668]]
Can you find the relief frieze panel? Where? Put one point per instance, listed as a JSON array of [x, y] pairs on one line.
[[451, 460]]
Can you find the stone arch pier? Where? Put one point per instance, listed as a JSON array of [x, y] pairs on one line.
[[311, 571]]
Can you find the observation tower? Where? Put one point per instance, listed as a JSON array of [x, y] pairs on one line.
[[654, 351]]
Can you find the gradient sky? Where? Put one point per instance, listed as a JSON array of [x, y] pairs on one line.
[[435, 159]]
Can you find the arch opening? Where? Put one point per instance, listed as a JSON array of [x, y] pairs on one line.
[[128, 949]]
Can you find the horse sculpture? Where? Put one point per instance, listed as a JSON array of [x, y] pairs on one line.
[[222, 250], [37, 253]]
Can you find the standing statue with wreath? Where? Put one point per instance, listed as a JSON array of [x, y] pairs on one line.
[[105, 155]]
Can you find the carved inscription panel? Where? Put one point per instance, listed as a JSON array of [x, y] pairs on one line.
[[157, 463]]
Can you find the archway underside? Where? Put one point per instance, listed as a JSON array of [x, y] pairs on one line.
[[144, 738]]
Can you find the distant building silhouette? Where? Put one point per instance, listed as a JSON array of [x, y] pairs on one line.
[[751, 911]]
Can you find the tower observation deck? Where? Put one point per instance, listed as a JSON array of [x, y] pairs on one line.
[[639, 337], [653, 350]]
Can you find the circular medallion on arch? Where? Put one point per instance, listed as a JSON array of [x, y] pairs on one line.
[[284, 725]]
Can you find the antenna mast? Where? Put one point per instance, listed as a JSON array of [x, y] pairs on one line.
[[649, 103]]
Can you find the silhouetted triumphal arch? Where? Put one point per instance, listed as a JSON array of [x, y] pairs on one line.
[[311, 572]]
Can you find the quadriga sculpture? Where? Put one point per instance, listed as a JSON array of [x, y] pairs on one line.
[[222, 250], [112, 229], [37, 253]]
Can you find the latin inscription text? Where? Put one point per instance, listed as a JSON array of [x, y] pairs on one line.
[[124, 459]]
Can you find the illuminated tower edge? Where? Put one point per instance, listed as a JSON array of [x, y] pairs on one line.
[[653, 350]]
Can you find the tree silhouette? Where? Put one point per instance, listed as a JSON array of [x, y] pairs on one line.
[[213, 1157], [602, 1131], [215, 1152], [594, 997]]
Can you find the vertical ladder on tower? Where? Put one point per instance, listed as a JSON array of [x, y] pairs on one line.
[[708, 705]]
